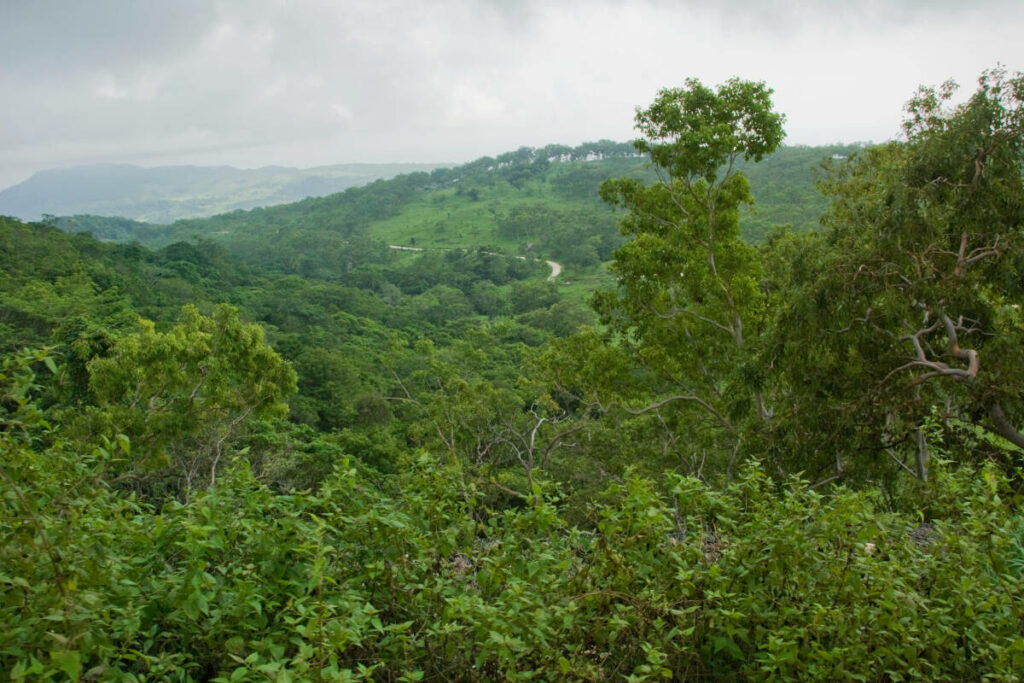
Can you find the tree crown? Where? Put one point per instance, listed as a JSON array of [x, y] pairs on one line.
[[692, 131]]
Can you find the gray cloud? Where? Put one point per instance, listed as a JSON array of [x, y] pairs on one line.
[[45, 37], [252, 82]]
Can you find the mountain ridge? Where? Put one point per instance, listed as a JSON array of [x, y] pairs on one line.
[[163, 194]]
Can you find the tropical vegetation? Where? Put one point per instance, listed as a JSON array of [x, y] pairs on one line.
[[268, 445]]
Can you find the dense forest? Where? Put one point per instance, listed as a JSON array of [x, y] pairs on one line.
[[765, 423]]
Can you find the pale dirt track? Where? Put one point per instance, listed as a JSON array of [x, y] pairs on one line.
[[556, 268]]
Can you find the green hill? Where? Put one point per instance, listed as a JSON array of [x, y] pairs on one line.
[[541, 201]]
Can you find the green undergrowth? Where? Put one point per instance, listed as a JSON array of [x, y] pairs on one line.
[[413, 576]]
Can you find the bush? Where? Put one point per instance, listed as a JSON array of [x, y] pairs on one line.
[[412, 576]]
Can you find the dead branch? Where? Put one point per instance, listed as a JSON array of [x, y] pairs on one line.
[[834, 477], [888, 451], [511, 492]]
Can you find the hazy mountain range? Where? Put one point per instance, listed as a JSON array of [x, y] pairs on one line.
[[164, 194]]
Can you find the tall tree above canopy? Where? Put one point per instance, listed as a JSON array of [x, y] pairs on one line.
[[688, 285], [691, 132]]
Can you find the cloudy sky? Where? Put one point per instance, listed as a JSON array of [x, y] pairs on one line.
[[310, 82]]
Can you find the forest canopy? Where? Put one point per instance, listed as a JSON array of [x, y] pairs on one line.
[[282, 449]]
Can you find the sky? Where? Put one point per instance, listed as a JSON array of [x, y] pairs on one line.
[[303, 83]]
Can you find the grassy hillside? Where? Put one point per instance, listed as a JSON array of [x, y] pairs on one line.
[[530, 204], [540, 202]]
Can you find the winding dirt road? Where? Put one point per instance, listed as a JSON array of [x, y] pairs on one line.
[[556, 268]]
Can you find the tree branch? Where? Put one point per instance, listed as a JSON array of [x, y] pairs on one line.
[[1003, 426], [511, 492], [678, 397], [969, 355], [888, 451]]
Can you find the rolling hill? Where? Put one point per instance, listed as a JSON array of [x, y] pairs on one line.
[[541, 201]]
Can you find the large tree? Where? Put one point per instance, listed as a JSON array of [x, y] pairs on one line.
[[688, 305], [856, 350], [905, 317]]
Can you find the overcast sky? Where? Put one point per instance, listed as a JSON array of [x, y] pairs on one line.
[[311, 82]]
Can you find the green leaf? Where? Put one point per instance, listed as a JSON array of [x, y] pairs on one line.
[[195, 604], [68, 661]]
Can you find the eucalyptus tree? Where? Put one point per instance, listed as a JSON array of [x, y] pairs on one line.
[[688, 308]]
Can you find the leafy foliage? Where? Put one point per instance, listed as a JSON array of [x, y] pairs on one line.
[[414, 577], [795, 459], [182, 395], [911, 301]]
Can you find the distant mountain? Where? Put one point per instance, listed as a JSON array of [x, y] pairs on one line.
[[165, 194]]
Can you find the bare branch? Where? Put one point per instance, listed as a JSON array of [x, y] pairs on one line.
[[888, 451], [964, 259], [938, 368], [955, 373], [511, 492], [402, 384], [676, 310], [958, 270], [1003, 426], [923, 456], [675, 201], [915, 339], [970, 355], [867, 315], [678, 397], [837, 475]]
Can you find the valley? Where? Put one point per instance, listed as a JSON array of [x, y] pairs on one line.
[[698, 406]]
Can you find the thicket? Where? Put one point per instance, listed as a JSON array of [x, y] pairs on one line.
[[414, 577]]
